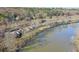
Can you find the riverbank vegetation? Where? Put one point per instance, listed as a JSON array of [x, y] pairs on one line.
[[20, 25]]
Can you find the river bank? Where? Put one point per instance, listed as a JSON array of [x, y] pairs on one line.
[[15, 44], [76, 40]]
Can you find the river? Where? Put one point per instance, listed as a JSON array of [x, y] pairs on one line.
[[57, 39]]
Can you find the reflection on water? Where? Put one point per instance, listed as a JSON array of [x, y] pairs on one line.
[[55, 39]]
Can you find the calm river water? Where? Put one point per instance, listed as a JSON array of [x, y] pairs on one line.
[[57, 39]]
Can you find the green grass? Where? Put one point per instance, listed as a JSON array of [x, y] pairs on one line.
[[2, 16]]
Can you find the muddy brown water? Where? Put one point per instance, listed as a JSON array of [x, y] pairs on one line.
[[57, 39]]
